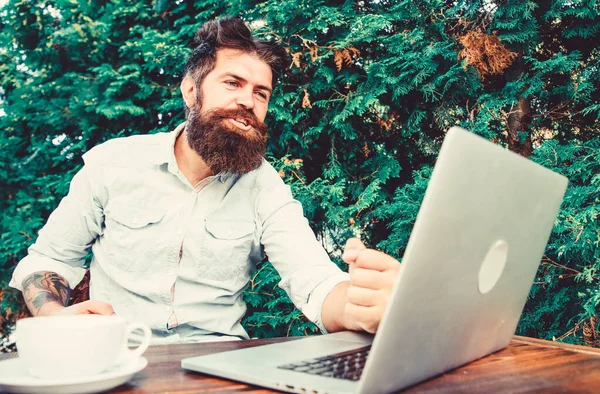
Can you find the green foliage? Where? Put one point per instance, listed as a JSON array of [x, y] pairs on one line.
[[402, 212], [355, 124], [270, 312], [565, 293]]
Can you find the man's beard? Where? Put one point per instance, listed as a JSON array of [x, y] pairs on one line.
[[223, 146]]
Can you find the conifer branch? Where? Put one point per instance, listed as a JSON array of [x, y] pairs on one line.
[[298, 177], [548, 260], [256, 275], [341, 94], [291, 323], [572, 330]]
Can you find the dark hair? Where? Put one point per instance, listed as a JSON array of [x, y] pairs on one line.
[[230, 33]]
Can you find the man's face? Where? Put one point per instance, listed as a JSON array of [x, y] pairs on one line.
[[239, 80], [225, 124]]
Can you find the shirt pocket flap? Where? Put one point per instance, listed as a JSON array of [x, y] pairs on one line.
[[229, 229], [136, 217]]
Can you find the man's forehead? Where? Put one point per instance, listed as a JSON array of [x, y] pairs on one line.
[[244, 65]]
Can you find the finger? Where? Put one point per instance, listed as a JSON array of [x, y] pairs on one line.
[[350, 255], [375, 260], [354, 244], [97, 308], [366, 297], [369, 279], [352, 249]]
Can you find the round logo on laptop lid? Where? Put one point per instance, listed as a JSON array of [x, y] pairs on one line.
[[492, 267]]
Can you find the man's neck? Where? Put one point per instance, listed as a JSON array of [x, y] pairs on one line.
[[189, 162]]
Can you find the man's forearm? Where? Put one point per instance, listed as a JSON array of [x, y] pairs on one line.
[[45, 293], [333, 309]]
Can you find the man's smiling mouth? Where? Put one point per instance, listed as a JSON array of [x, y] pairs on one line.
[[241, 123]]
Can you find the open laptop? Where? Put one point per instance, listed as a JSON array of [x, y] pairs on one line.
[[468, 267]]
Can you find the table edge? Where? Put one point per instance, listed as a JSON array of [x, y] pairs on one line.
[[547, 343], [516, 339]]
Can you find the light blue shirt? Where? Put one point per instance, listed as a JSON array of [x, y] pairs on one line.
[[173, 255]]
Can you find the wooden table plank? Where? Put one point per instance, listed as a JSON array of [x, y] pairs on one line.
[[165, 375], [527, 365]]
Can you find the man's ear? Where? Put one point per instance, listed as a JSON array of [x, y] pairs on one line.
[[188, 91]]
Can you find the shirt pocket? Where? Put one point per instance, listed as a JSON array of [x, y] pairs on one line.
[[133, 237], [226, 249]]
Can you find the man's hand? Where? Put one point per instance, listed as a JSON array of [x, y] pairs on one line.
[[359, 304], [47, 294], [87, 308]]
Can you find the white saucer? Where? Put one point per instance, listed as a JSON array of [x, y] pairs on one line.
[[15, 379]]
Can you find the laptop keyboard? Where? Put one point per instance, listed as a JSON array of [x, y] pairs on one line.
[[346, 365]]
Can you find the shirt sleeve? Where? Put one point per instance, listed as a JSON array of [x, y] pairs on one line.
[[66, 238], [312, 309], [307, 273]]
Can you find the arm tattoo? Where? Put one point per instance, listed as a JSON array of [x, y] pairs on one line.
[[42, 287]]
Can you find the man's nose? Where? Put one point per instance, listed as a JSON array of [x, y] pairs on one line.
[[245, 98]]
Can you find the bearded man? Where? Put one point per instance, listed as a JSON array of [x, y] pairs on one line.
[[177, 221]]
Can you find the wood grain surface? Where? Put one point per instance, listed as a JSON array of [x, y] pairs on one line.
[[526, 366]]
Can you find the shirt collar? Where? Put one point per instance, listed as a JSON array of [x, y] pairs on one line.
[[168, 155]]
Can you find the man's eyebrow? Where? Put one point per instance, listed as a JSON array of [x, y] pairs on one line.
[[238, 78]]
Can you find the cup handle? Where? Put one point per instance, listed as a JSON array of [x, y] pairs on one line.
[[137, 352]]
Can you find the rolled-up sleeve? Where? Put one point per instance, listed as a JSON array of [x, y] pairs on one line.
[[65, 240], [307, 273], [312, 309]]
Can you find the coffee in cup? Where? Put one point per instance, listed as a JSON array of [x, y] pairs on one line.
[[75, 346]]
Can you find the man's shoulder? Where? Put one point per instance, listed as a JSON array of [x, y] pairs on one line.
[[264, 177], [133, 151]]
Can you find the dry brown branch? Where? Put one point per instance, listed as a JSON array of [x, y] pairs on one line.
[[590, 333], [571, 331], [306, 100], [337, 59], [296, 59], [344, 56], [366, 150], [485, 53], [548, 260], [385, 123]]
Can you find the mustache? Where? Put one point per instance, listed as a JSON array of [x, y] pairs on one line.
[[239, 113]]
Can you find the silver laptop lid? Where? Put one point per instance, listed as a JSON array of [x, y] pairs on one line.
[[469, 264]]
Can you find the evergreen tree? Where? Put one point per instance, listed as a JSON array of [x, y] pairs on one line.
[[356, 122]]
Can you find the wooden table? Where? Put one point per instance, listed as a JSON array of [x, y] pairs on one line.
[[527, 365]]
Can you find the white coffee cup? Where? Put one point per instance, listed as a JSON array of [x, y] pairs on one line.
[[55, 347]]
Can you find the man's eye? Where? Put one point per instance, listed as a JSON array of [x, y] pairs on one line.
[[232, 83], [262, 95]]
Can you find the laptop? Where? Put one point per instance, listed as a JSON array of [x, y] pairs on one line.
[[469, 264]]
